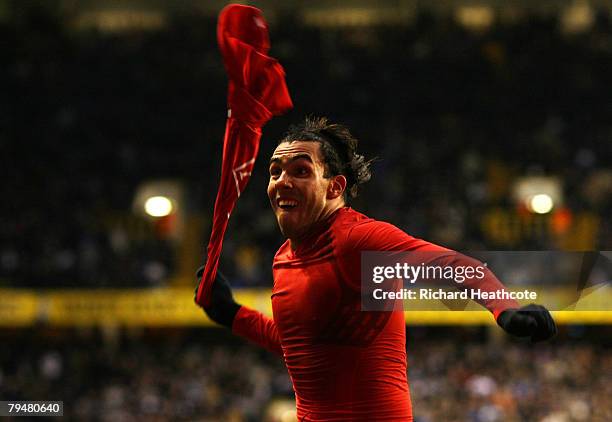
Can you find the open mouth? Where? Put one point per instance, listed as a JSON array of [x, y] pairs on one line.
[[286, 204]]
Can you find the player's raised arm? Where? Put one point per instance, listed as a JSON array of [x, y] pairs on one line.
[[243, 321]]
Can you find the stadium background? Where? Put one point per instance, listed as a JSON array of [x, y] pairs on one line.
[[467, 104]]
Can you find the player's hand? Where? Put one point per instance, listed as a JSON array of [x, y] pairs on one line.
[[223, 307], [532, 321]]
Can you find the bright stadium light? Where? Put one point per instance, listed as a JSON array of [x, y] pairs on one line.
[[158, 206], [159, 198], [538, 194], [540, 203]]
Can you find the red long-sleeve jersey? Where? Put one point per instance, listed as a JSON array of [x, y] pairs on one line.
[[345, 364]]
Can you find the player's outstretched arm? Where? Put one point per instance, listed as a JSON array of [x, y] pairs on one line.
[[243, 321], [533, 321]]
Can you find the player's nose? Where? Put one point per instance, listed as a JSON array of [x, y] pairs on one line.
[[284, 181]]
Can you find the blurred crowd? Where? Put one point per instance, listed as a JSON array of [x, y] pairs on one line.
[[207, 375], [454, 117], [158, 378], [485, 383]]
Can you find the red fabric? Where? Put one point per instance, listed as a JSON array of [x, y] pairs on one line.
[[256, 92], [257, 328], [371, 235], [345, 364]]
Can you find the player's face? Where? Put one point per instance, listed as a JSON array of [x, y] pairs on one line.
[[298, 191]]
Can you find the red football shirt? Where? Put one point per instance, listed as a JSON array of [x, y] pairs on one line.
[[345, 364]]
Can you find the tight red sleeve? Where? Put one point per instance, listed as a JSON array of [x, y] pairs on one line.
[[380, 236], [258, 328]]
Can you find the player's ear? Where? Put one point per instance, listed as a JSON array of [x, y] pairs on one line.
[[336, 186]]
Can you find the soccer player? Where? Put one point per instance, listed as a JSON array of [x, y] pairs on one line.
[[345, 364]]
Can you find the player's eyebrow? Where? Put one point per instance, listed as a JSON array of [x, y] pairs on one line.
[[277, 160]]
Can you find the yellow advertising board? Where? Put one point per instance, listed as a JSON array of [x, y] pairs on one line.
[[175, 307], [18, 307], [145, 307]]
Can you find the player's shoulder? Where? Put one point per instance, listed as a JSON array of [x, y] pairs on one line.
[[356, 226], [347, 217]]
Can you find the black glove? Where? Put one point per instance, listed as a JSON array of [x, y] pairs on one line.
[[532, 321], [223, 307]]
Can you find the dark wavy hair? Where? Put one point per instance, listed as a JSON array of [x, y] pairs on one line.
[[338, 147]]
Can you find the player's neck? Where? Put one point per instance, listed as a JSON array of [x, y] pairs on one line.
[[316, 228]]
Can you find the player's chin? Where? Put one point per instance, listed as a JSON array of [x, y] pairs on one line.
[[287, 223]]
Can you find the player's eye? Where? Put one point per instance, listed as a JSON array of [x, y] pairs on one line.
[[275, 171], [302, 171]]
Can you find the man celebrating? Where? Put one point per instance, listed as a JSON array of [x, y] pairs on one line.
[[345, 363]]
